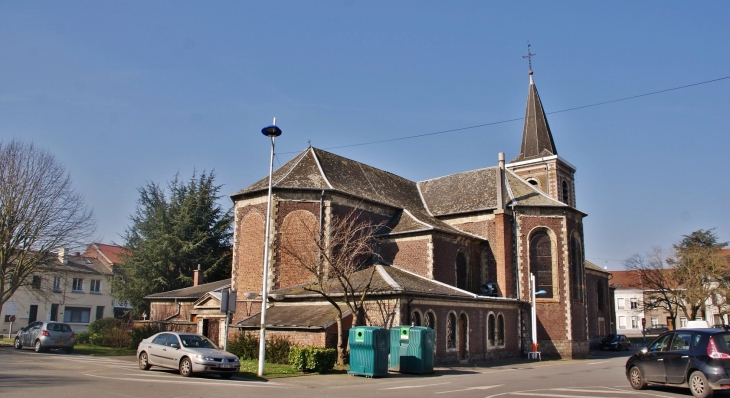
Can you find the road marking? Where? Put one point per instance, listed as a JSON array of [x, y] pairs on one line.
[[532, 394], [469, 389], [593, 391], [596, 363], [424, 385], [214, 383]]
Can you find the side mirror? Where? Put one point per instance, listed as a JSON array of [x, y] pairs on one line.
[[644, 350], [175, 345]]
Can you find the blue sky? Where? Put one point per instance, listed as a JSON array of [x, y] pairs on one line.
[[126, 92]]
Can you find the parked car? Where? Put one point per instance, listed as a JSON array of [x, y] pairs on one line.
[[694, 358], [615, 342], [43, 336], [656, 329], [187, 352]]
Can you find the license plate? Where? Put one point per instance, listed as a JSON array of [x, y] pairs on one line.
[[226, 366], [60, 342]]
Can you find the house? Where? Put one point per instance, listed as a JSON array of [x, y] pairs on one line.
[[74, 289], [110, 256], [192, 309], [455, 253]]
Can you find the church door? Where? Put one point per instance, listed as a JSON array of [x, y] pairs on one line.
[[211, 329]]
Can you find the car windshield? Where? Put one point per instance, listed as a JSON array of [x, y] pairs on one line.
[[610, 337], [722, 341], [193, 341], [58, 327]]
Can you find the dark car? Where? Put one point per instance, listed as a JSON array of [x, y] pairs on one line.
[[43, 336], [694, 358], [656, 329], [616, 342]]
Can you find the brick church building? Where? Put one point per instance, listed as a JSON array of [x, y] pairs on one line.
[[455, 253]]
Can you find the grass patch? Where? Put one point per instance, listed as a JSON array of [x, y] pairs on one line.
[[250, 369], [102, 351]]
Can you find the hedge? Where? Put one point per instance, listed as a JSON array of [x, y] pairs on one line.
[[312, 359]]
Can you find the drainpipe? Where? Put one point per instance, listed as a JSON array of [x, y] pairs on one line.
[[321, 233], [175, 314]]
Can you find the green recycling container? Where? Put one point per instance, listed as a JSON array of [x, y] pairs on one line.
[[411, 349], [369, 348]]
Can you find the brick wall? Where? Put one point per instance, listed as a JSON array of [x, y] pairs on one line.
[[411, 254], [248, 253], [299, 234]]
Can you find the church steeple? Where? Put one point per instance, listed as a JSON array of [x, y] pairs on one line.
[[537, 139], [538, 162]]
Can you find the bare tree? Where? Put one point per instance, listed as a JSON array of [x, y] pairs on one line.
[[693, 274], [337, 260], [39, 212]]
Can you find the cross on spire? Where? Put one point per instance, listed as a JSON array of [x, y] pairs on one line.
[[529, 57]]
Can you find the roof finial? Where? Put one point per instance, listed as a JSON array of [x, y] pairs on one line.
[[529, 59]]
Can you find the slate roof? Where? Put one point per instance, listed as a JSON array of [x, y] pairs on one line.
[[80, 264], [537, 139], [593, 267], [190, 293], [315, 169], [386, 280], [318, 316]]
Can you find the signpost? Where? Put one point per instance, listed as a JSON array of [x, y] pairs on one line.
[[11, 318], [228, 307], [643, 330]]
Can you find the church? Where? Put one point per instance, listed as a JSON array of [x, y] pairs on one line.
[[454, 253]]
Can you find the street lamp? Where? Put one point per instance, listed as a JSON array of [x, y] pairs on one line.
[[272, 132], [534, 315]]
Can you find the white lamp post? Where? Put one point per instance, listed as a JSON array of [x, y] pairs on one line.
[[271, 132], [534, 315]]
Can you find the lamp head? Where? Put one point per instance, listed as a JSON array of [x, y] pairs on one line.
[[271, 131]]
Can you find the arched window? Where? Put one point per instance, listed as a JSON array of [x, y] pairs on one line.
[[566, 193], [601, 303], [430, 321], [541, 263], [451, 331], [500, 330], [415, 318], [576, 269], [491, 333], [461, 271]]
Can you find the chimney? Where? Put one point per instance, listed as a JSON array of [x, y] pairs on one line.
[[500, 182], [62, 257], [197, 277]]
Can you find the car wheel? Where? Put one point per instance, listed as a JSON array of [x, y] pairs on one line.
[[143, 363], [17, 344], [38, 346], [699, 386], [69, 350], [226, 375], [186, 367], [636, 378]]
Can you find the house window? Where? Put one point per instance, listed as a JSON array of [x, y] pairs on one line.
[[99, 311], [634, 322], [634, 303], [621, 304], [77, 285], [491, 332], [56, 283], [95, 286], [461, 271], [682, 322], [36, 283], [76, 314], [541, 263], [451, 331], [622, 322], [654, 321]]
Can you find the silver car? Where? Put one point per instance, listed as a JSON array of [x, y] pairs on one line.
[[190, 353], [43, 336]]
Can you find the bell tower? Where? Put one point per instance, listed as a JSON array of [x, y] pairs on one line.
[[538, 162]]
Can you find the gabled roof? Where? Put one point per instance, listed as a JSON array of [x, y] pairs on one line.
[[79, 264], [315, 169], [192, 293], [111, 253], [537, 139], [311, 317], [593, 267], [626, 280]]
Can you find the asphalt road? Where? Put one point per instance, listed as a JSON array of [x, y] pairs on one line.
[[28, 374]]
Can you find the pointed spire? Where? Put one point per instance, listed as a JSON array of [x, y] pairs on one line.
[[537, 140]]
